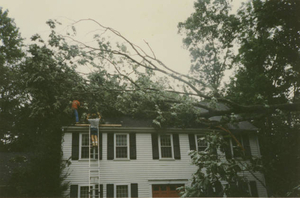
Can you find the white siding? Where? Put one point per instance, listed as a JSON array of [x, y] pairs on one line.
[[144, 170]]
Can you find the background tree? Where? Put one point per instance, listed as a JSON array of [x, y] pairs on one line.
[[11, 55], [266, 34], [210, 33], [269, 55], [36, 89]]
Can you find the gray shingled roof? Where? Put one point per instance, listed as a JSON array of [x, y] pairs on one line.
[[239, 126]]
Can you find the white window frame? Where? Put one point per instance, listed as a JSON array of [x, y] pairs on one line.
[[93, 152], [122, 184], [196, 139], [86, 185], [172, 147], [115, 146], [231, 146]]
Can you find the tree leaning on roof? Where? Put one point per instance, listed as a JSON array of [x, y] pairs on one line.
[[267, 64]]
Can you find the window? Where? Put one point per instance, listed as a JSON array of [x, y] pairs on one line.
[[84, 191], [236, 149], [166, 146], [233, 149], [121, 146], [201, 144], [84, 147], [122, 191]]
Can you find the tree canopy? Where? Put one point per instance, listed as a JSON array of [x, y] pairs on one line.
[[259, 42]]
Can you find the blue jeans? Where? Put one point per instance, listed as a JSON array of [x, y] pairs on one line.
[[76, 115]]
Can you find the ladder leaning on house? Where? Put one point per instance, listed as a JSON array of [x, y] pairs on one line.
[[94, 168]]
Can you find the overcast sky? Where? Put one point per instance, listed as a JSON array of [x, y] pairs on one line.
[[154, 21]]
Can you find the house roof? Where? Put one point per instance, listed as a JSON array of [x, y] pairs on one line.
[[146, 125], [237, 127]]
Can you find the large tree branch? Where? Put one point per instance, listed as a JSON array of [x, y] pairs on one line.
[[152, 63], [145, 57], [237, 109]]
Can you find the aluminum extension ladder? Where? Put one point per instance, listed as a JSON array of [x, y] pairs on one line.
[[94, 168]]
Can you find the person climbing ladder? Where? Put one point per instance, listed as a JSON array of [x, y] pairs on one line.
[[94, 121]]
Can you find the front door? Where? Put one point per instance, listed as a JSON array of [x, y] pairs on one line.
[[168, 190]]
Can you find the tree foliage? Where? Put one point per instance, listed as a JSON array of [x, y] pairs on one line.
[[266, 34], [215, 170], [10, 55], [259, 42], [35, 95]]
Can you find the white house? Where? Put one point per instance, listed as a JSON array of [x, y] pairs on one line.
[[139, 161]]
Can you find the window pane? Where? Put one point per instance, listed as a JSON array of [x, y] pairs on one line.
[[85, 148], [166, 152], [173, 187], [84, 191], [121, 146], [121, 152], [85, 139], [237, 150], [122, 191], [84, 152], [94, 152], [121, 140], [202, 144], [165, 140], [155, 188]]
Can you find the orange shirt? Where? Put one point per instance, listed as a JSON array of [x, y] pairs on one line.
[[75, 104]]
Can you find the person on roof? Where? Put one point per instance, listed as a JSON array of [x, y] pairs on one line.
[[75, 106], [94, 120]]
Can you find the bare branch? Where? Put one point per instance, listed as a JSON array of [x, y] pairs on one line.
[[150, 49]]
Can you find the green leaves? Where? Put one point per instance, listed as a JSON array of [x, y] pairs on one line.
[[212, 169], [209, 35]]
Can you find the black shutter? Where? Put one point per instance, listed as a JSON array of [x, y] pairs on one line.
[[176, 146], [75, 146], [134, 190], [74, 191], [100, 145], [246, 145], [101, 190], [110, 146], [109, 190], [155, 153], [192, 142], [227, 149], [253, 189], [132, 143]]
